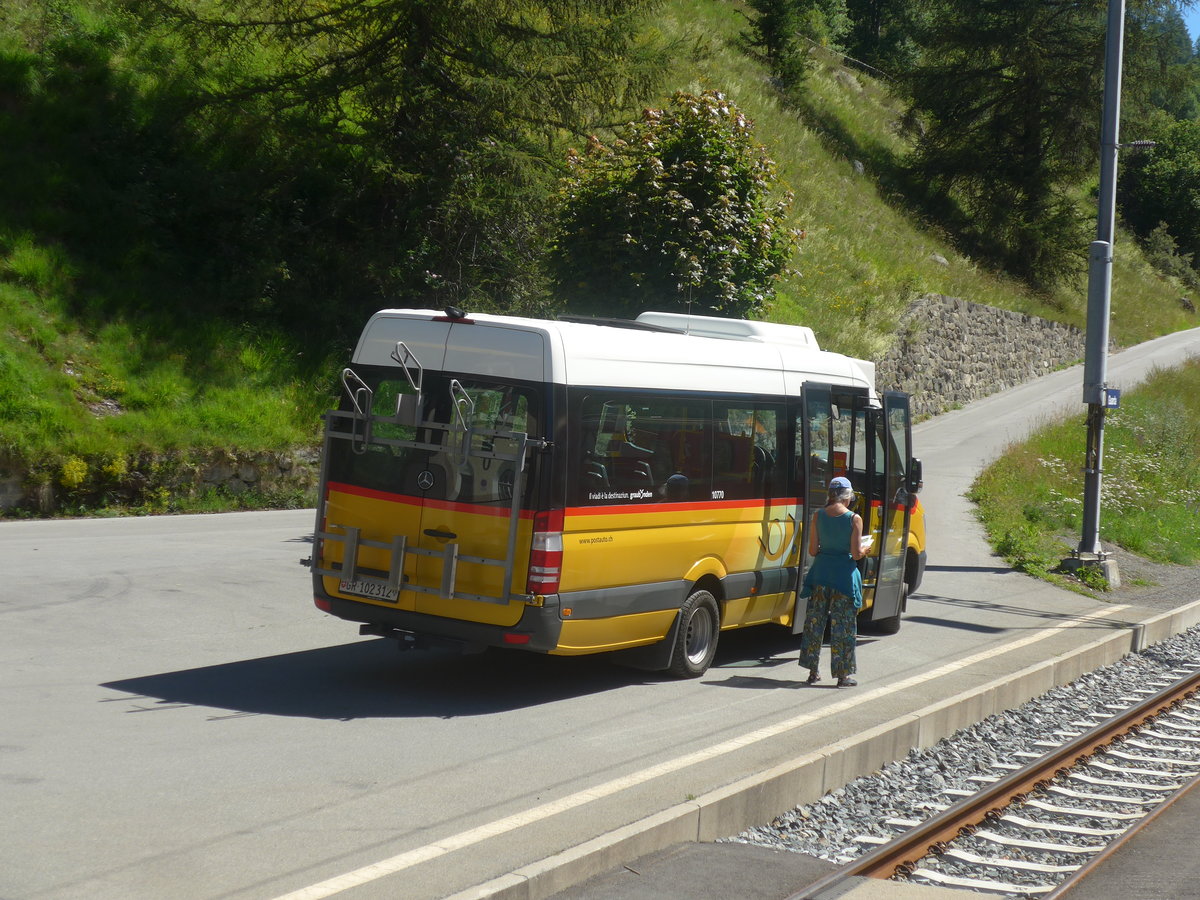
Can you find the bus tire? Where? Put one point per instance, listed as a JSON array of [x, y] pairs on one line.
[[696, 637]]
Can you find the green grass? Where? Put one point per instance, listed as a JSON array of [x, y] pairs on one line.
[[128, 385], [1030, 499], [100, 392]]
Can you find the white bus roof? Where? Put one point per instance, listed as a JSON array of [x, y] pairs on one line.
[[738, 356]]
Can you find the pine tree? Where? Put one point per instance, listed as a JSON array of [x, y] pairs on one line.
[[786, 30], [1010, 90], [1162, 186], [881, 33], [457, 109]]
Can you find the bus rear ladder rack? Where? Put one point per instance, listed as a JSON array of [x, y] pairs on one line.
[[356, 426]]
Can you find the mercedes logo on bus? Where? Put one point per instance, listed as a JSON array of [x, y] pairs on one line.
[[425, 480]]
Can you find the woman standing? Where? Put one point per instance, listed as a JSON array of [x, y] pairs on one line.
[[833, 585]]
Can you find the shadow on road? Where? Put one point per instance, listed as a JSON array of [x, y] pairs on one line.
[[1115, 623], [960, 626], [372, 679]]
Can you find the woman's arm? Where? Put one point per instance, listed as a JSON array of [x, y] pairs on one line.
[[856, 550], [813, 545]]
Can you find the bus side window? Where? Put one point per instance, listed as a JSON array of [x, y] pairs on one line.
[[745, 447], [633, 449]]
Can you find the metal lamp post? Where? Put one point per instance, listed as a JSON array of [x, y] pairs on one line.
[[1096, 393]]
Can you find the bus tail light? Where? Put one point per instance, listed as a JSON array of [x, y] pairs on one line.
[[546, 553]]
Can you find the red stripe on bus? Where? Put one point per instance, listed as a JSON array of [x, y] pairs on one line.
[[627, 508], [454, 506], [372, 493]]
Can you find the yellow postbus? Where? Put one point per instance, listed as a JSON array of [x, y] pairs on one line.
[[584, 486]]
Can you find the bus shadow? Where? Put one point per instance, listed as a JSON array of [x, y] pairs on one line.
[[372, 679]]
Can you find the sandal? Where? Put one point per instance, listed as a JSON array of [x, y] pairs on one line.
[[813, 676], [847, 681]]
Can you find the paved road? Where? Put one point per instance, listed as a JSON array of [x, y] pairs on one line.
[[176, 718]]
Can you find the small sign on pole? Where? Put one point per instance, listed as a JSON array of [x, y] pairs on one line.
[[1112, 398]]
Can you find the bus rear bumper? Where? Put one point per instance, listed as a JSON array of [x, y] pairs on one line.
[[538, 628]]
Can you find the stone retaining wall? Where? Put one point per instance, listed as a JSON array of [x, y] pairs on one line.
[[149, 479], [952, 351]]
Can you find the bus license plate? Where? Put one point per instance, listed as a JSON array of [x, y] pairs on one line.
[[376, 590]]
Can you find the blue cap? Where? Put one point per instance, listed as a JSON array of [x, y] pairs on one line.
[[840, 483]]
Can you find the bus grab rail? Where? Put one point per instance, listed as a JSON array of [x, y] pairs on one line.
[[356, 395], [408, 406]]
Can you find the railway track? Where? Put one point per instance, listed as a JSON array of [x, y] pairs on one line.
[[1038, 826]]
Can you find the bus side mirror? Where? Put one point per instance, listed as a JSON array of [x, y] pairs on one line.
[[914, 481]]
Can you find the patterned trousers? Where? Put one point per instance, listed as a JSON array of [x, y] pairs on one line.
[[827, 605]]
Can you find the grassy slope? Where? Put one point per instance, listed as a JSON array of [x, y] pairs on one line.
[[208, 384], [104, 389]]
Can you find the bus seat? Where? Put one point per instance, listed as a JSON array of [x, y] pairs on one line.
[[690, 452], [764, 463], [633, 473], [595, 475]]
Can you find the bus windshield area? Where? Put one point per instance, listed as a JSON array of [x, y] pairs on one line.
[[465, 448]]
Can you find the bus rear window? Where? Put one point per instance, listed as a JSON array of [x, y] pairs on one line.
[[467, 459]]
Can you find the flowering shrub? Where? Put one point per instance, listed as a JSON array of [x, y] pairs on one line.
[[675, 214]]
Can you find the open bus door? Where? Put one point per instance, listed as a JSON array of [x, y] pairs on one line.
[[888, 439], [814, 468]]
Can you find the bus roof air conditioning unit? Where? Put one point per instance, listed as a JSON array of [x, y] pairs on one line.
[[734, 329]]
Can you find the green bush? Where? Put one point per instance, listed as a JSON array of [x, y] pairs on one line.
[[677, 213]]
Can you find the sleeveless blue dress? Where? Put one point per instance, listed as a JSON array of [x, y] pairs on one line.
[[834, 567]]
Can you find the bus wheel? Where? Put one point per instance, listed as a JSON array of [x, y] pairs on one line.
[[696, 640]]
